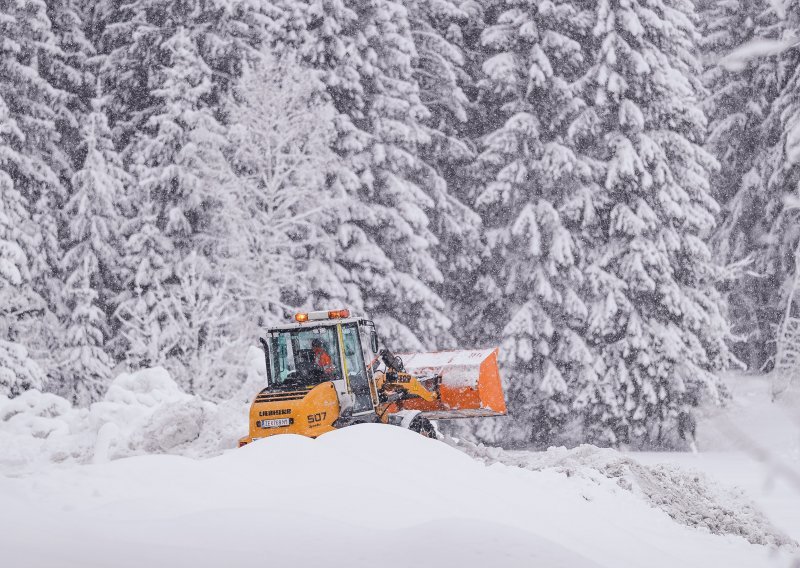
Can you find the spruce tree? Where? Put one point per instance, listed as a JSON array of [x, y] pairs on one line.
[[70, 69], [92, 262], [34, 160], [438, 29], [386, 240], [146, 335], [738, 105], [775, 235], [18, 302], [277, 246], [177, 153], [532, 179], [177, 157], [659, 324], [133, 40], [168, 67]]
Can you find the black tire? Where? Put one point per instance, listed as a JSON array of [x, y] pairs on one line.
[[423, 426]]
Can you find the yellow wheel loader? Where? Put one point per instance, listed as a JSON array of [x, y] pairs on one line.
[[326, 371]]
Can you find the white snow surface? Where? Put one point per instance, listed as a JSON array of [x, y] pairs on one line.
[[752, 445], [142, 412], [354, 497], [349, 498]]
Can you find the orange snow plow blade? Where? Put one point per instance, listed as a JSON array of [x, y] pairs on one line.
[[470, 383]]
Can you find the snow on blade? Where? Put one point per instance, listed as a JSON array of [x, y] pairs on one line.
[[470, 383], [457, 368]]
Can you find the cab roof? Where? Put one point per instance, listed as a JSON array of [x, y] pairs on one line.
[[315, 323]]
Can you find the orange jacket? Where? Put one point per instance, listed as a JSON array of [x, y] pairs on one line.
[[323, 360]]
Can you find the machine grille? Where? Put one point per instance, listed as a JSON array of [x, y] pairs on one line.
[[279, 396]]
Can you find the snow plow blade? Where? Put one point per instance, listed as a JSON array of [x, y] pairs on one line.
[[470, 383]]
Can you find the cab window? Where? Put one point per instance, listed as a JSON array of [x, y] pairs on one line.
[[355, 360], [303, 357]]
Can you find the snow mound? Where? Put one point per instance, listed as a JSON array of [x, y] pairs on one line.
[[687, 496], [581, 507], [142, 412], [345, 499]]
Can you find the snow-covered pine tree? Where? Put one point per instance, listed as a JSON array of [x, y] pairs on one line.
[[84, 373], [464, 262], [208, 351], [168, 66], [270, 251], [131, 37], [177, 156], [437, 28], [34, 160], [147, 334], [738, 105], [91, 264], [274, 245], [385, 239], [777, 232], [70, 69], [436, 31], [659, 320], [18, 372], [532, 180]]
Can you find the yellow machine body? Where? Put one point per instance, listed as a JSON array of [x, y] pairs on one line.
[[309, 411]]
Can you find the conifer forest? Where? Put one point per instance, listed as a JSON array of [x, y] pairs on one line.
[[608, 190]]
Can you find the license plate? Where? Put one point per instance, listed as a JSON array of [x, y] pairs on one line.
[[275, 423]]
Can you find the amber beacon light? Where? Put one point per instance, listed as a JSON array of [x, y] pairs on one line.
[[322, 315]]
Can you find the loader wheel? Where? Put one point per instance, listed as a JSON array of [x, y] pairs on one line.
[[423, 426]]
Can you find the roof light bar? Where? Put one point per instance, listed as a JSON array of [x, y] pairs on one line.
[[321, 315]]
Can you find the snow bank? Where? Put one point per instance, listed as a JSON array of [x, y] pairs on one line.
[[688, 496], [142, 412], [346, 499], [352, 492], [752, 443], [754, 417]]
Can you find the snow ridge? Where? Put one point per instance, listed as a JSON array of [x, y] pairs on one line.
[[147, 413], [142, 412], [689, 497]]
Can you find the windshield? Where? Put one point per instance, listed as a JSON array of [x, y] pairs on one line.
[[303, 357]]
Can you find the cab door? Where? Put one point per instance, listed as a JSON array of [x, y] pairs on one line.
[[355, 369]]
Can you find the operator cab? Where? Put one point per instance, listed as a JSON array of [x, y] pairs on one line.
[[321, 347], [294, 357]]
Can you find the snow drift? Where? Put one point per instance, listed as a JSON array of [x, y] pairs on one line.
[[96, 482], [142, 412], [686, 495], [348, 498]]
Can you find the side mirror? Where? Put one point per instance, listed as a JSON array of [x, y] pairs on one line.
[[265, 347], [369, 328]]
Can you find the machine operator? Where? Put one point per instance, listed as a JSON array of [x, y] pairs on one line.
[[321, 357]]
